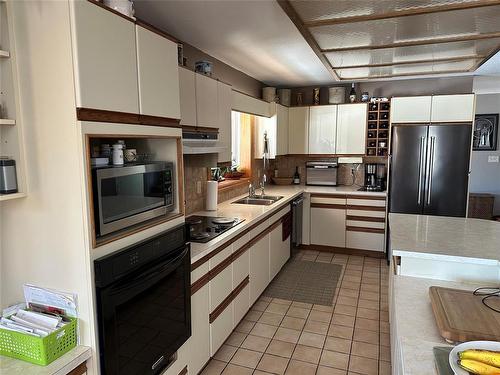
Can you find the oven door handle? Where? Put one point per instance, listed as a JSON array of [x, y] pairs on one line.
[[163, 268]]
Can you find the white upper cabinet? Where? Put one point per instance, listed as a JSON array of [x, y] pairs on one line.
[[298, 123], [281, 129], [322, 129], [265, 125], [187, 91], [411, 109], [105, 59], [453, 108], [351, 129], [248, 104], [224, 120], [158, 74], [206, 101]]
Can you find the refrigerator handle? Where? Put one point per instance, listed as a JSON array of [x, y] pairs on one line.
[[421, 169], [431, 170]]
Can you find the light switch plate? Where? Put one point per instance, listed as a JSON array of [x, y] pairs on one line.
[[493, 158]]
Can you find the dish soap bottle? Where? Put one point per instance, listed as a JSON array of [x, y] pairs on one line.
[[296, 176]]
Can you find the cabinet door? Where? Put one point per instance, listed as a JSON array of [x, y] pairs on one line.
[[224, 97], [259, 268], [411, 109], [365, 240], [158, 74], [328, 226], [282, 129], [206, 101], [452, 108], [241, 305], [322, 129], [200, 331], [351, 129], [220, 329], [105, 59], [298, 120], [265, 125], [279, 251], [187, 93]]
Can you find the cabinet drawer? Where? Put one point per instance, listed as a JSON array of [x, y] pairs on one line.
[[365, 224], [354, 211], [221, 328], [199, 272], [241, 305], [365, 202], [241, 268], [220, 287], [217, 259], [328, 200], [279, 215], [259, 229], [365, 240]]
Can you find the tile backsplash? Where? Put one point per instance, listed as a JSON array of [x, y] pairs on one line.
[[196, 174]]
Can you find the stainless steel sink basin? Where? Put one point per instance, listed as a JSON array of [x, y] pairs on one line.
[[261, 200]]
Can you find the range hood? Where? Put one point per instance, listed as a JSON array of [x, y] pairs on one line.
[[201, 142]]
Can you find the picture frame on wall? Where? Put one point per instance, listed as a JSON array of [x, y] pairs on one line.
[[485, 132]]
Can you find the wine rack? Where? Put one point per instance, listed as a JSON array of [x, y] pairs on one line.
[[377, 140]]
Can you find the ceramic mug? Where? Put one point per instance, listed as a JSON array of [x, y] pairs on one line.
[[130, 155]]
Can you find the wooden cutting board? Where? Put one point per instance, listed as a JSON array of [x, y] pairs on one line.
[[461, 316]]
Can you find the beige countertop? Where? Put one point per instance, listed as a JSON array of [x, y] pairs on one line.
[[61, 366], [253, 213], [413, 322], [445, 238]]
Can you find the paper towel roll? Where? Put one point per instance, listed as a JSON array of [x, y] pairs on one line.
[[211, 204]]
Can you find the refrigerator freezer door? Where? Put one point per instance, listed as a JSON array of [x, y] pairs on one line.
[[407, 176], [447, 172]]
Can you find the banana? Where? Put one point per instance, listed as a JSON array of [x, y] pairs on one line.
[[484, 356], [478, 368]]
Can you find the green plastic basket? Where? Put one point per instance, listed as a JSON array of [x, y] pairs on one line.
[[38, 350]]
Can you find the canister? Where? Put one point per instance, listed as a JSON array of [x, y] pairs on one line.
[[8, 176]]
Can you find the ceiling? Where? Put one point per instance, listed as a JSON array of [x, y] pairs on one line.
[[255, 37], [304, 42], [360, 40]]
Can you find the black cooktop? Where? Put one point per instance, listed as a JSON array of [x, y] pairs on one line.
[[206, 228]]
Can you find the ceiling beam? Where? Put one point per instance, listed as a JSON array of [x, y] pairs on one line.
[[403, 13], [297, 21], [414, 74], [421, 42], [410, 62]]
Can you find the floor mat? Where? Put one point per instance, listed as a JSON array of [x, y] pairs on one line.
[[308, 282]]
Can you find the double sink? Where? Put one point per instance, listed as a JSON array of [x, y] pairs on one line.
[[260, 200]]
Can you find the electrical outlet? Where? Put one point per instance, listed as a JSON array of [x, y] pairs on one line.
[[198, 187], [493, 158]]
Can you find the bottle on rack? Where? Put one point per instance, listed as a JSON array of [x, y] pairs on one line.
[[352, 94], [296, 176]]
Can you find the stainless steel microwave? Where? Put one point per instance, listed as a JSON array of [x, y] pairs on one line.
[[132, 194]]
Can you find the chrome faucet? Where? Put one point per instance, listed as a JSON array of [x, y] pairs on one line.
[[251, 191], [265, 161]]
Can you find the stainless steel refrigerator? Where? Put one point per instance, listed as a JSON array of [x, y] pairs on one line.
[[429, 171]]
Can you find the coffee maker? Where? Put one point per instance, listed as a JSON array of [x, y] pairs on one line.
[[375, 177]]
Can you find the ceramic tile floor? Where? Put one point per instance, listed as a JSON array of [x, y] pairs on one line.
[[286, 337]]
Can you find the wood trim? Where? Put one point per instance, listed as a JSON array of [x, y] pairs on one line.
[[367, 197], [366, 218], [345, 250], [404, 13], [364, 208], [227, 301], [184, 371], [410, 62], [297, 21], [364, 230], [328, 206], [79, 370], [199, 129], [220, 267], [326, 195], [101, 115], [200, 283], [156, 30], [421, 42]]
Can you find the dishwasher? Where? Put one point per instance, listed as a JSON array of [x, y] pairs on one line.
[[297, 208]]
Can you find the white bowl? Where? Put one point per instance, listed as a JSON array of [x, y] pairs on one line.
[[485, 345]]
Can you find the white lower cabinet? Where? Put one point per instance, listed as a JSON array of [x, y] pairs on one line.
[[241, 304], [365, 240], [328, 227], [200, 331], [279, 250], [259, 268], [220, 329]]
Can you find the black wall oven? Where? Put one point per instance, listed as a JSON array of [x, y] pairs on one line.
[[144, 304], [131, 194]]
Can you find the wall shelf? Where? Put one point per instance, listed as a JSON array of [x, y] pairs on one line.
[[6, 121], [4, 54], [8, 197]]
